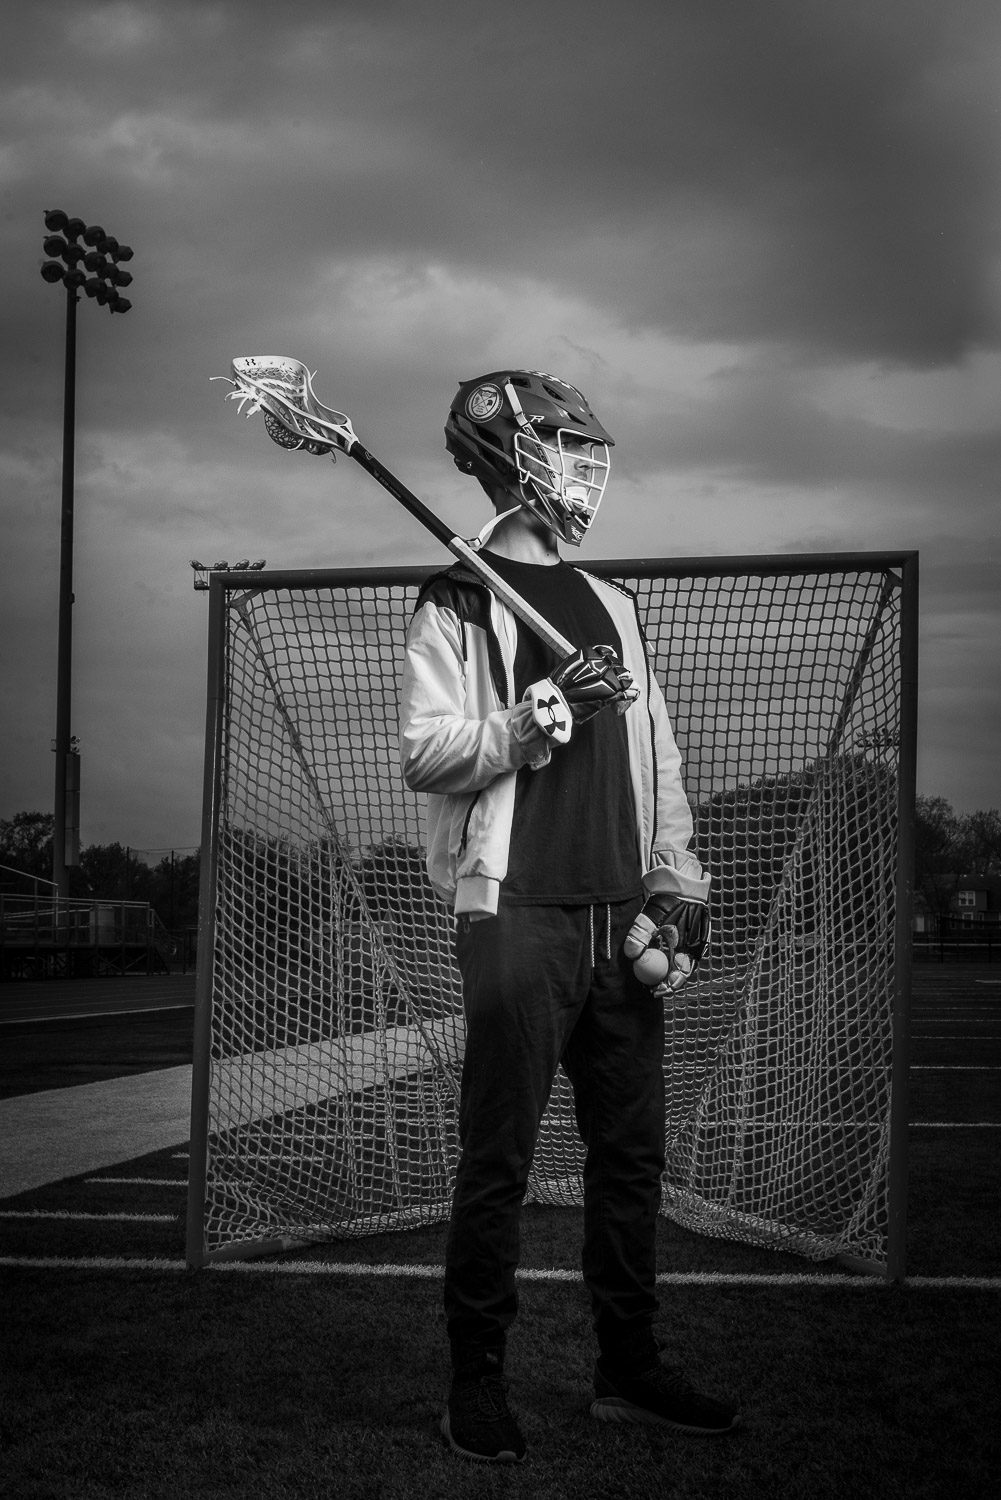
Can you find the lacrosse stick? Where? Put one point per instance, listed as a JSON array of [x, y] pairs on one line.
[[282, 389]]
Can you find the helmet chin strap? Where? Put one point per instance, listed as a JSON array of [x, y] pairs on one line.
[[482, 537], [526, 427], [516, 406]]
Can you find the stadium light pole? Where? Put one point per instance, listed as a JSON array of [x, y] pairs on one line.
[[92, 266]]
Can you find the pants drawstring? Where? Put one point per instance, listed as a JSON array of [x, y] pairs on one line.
[[608, 932]]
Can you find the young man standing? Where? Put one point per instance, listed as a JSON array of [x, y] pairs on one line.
[[558, 832]]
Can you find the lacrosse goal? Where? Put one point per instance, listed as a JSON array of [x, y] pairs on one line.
[[329, 1030]]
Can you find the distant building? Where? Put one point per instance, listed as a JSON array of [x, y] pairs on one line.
[[964, 910], [977, 901]]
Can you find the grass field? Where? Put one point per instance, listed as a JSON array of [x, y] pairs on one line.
[[323, 1373]]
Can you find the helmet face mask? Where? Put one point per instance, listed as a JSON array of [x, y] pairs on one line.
[[562, 479], [536, 436]]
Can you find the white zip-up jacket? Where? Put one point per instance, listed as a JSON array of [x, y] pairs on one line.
[[464, 739]]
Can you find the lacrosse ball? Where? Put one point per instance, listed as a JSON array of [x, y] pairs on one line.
[[652, 966]]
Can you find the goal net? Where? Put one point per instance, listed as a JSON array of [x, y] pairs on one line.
[[329, 1032]]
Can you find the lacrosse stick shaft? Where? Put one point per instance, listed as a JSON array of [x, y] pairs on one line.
[[505, 593]]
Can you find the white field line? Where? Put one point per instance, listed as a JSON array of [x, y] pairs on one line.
[[171, 1182], [41, 1213], [435, 1273], [182, 1182], [979, 1009], [94, 1015]]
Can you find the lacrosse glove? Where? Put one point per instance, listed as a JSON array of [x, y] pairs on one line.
[[667, 940], [579, 687]]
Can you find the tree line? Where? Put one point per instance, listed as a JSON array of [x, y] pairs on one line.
[[949, 847], [106, 872]]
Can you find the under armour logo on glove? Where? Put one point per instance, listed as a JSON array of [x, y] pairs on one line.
[[581, 686], [551, 711], [552, 715]]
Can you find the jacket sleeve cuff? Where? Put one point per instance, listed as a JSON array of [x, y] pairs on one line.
[[533, 743], [476, 895], [667, 880]]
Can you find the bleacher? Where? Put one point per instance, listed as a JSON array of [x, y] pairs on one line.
[[45, 936]]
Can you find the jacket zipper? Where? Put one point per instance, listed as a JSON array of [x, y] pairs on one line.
[[465, 822]]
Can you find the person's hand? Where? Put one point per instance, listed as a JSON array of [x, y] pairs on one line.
[[667, 940], [579, 687]]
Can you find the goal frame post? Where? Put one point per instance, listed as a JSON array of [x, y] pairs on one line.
[[901, 565]]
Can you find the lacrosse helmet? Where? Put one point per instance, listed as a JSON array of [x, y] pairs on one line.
[[538, 436]]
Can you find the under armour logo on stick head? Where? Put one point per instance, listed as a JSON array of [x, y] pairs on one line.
[[546, 716]]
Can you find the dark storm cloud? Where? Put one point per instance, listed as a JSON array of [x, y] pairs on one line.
[[745, 228], [768, 423], [790, 170]]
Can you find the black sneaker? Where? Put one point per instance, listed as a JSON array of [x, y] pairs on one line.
[[478, 1423], [659, 1397]]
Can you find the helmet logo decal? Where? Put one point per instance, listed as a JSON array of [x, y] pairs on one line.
[[483, 403]]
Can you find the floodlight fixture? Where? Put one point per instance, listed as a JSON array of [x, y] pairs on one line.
[[202, 570], [101, 260]]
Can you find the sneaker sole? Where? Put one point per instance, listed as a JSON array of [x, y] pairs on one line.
[[617, 1409], [505, 1456]]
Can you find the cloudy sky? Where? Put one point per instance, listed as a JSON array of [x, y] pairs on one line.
[[762, 235]]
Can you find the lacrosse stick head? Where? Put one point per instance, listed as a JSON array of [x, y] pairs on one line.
[[282, 388]]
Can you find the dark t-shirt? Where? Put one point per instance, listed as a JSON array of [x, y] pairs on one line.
[[574, 836]]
